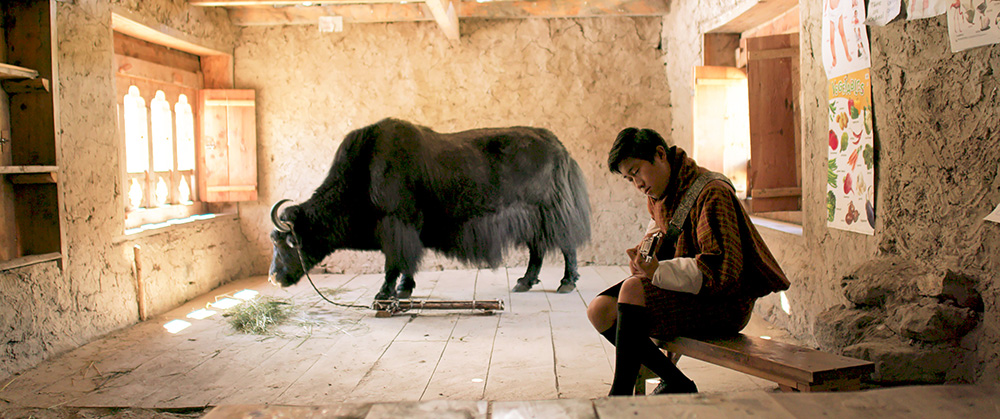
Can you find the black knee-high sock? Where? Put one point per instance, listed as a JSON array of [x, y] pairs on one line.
[[647, 352], [632, 330]]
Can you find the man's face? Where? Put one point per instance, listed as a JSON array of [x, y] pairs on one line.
[[651, 178]]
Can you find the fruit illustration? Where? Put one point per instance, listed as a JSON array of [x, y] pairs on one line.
[[852, 214], [847, 184], [833, 140]]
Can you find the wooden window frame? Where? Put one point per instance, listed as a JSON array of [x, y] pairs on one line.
[[216, 72], [174, 76]]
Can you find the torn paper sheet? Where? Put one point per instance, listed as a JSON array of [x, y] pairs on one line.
[[881, 12], [921, 9], [994, 216]]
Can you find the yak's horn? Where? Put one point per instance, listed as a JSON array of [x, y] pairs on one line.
[[280, 225]]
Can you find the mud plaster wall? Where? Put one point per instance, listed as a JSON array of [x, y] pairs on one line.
[[584, 79], [938, 157], [938, 160], [46, 310]]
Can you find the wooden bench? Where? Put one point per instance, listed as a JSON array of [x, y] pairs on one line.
[[793, 368]]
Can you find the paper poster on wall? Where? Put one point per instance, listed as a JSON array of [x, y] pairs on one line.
[[922, 9], [994, 216], [881, 12], [845, 37], [851, 158], [973, 23]]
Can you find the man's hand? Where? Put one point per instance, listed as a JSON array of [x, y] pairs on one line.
[[638, 264]]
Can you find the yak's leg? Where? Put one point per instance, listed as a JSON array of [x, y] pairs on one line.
[[535, 255], [402, 249], [405, 288], [570, 275], [388, 290]]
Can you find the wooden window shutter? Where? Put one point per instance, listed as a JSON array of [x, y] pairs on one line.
[[774, 176], [228, 146]]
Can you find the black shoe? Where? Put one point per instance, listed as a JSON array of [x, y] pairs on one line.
[[523, 285], [676, 388]]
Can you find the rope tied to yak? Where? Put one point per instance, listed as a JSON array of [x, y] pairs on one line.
[[298, 251]]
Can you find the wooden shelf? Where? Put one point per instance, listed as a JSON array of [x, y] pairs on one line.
[[29, 175], [8, 71], [28, 260], [18, 170]]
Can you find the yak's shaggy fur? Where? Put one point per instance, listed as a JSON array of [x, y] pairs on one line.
[[403, 188]]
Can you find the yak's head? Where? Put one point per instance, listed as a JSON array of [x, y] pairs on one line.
[[289, 253]]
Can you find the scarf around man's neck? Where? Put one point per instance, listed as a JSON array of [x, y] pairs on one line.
[[683, 172]]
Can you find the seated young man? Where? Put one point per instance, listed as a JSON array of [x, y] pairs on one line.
[[705, 284]]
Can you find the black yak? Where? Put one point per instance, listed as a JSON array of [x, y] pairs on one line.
[[403, 188]]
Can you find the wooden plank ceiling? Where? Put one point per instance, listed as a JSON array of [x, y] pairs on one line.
[[447, 13]]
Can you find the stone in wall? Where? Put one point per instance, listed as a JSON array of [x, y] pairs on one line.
[[841, 326], [880, 280], [932, 321], [952, 286], [906, 318], [898, 362]]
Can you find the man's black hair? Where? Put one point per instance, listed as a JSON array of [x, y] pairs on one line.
[[635, 143]]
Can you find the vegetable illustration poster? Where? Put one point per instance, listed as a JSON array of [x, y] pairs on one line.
[[851, 163]]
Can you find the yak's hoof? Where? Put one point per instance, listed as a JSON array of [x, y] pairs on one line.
[[524, 284], [403, 294], [384, 294], [566, 287]]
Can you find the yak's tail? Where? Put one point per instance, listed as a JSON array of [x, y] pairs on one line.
[[567, 220], [566, 217]]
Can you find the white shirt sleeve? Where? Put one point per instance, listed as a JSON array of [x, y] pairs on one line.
[[678, 274], [651, 228]]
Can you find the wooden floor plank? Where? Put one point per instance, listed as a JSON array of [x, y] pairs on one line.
[[738, 405], [544, 409], [402, 373], [110, 361], [493, 285], [464, 367], [542, 347], [531, 301], [590, 284], [333, 377], [569, 302], [900, 402], [260, 411], [235, 357], [613, 274], [435, 409], [272, 380], [523, 348], [196, 346], [582, 367]]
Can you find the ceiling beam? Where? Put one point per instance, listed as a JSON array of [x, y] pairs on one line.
[[747, 15], [412, 12], [444, 13], [240, 3]]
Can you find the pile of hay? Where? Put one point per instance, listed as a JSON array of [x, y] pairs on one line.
[[259, 315]]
